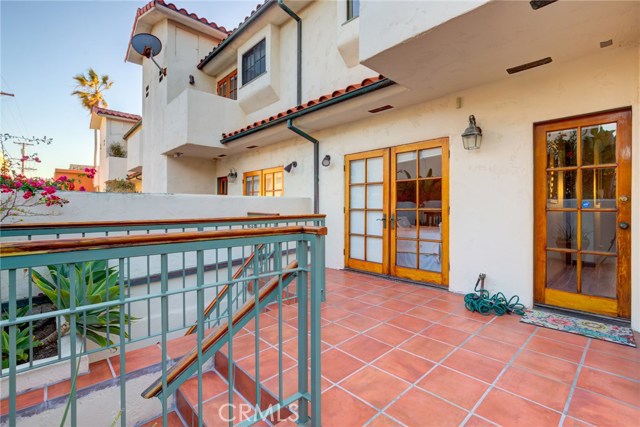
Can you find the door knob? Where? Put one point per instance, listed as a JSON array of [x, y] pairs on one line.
[[384, 220], [624, 225], [624, 199]]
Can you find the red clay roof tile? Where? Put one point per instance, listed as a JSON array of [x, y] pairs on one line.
[[310, 103], [114, 113]]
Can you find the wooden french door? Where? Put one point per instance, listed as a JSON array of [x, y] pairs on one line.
[[583, 213], [397, 211]]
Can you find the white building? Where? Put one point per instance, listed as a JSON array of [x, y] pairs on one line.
[[114, 127], [544, 206]]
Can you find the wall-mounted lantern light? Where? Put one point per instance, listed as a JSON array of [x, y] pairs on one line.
[[233, 175], [290, 166], [472, 135], [326, 161], [177, 155]]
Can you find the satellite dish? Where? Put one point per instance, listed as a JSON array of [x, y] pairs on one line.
[[148, 46]]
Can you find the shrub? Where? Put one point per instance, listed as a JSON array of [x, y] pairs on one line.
[[120, 186], [117, 150]]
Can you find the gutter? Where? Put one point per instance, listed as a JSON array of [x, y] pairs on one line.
[[235, 34], [328, 103], [316, 163], [292, 14], [135, 127]]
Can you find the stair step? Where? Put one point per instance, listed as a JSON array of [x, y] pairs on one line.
[[173, 418]]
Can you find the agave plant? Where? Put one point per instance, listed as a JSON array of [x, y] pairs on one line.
[[94, 283], [23, 340]]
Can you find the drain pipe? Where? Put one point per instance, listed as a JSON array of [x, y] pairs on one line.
[[292, 14], [316, 163]]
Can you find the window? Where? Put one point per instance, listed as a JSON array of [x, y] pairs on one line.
[[254, 62], [228, 85], [266, 182], [223, 185], [353, 9]]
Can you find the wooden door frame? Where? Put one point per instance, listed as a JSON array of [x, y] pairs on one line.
[[607, 306], [388, 195], [364, 265], [441, 278]]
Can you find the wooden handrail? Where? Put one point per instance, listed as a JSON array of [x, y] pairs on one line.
[[224, 290], [11, 249], [211, 339], [44, 225]]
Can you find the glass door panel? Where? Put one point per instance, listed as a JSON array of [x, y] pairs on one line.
[[586, 168], [366, 181]]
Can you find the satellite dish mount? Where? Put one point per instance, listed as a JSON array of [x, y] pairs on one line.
[[148, 46]]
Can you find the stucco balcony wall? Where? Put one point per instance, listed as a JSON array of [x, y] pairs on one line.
[[134, 152], [198, 118]]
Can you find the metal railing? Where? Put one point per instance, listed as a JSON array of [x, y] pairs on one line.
[[96, 298]]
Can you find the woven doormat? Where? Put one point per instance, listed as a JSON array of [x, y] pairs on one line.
[[573, 325]]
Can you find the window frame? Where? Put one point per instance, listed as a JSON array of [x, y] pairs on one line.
[[353, 9], [262, 188], [223, 186], [246, 78], [229, 86]]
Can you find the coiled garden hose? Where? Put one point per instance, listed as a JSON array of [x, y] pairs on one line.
[[481, 301]]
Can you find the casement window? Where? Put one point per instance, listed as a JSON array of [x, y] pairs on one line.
[[265, 182], [353, 9], [223, 186], [254, 62], [228, 85]]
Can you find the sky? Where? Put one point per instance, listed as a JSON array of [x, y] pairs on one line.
[[44, 43]]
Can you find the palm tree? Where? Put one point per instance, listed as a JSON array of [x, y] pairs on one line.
[[90, 89]]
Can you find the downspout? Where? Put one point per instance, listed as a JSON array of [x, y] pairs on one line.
[[292, 14], [316, 163]]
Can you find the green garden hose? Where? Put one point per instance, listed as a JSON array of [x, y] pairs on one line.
[[481, 301]]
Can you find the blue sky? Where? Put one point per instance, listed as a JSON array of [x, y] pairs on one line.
[[44, 43]]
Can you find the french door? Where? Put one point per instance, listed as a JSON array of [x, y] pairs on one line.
[[583, 213], [397, 211]]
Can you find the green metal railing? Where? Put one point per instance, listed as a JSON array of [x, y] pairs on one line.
[[153, 304]]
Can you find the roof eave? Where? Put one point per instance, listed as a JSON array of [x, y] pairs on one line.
[[333, 101]]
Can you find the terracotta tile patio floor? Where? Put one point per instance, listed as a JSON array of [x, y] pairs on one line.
[[397, 354]]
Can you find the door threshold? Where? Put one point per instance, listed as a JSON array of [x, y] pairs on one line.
[[584, 315], [399, 279]]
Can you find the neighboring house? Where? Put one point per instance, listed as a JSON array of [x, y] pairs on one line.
[[544, 206], [78, 174], [112, 157]]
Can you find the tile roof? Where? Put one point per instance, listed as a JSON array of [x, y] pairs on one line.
[[155, 3], [324, 98], [259, 8], [114, 113]]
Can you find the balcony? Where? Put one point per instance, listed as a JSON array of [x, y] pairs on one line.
[[195, 121], [438, 48], [390, 353]]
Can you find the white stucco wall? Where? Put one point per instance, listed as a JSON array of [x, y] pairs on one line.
[[111, 131], [491, 190], [135, 152], [384, 24]]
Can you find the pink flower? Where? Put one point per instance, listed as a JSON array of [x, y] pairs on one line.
[[24, 158], [61, 178], [82, 188], [49, 190], [5, 189], [36, 159], [71, 186], [27, 195]]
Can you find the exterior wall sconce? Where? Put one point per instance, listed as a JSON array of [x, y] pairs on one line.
[[177, 155], [326, 161], [290, 166], [233, 175], [472, 135]]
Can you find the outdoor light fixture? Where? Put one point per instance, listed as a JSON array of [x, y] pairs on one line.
[[326, 161], [177, 155], [233, 175], [148, 46], [472, 135], [290, 166]]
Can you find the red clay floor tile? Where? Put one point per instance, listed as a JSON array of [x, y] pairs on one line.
[[389, 334], [599, 410], [375, 386], [475, 365], [418, 408], [340, 408], [454, 387], [542, 390], [427, 348], [506, 409], [547, 366], [337, 365], [364, 348], [98, 372], [610, 385], [404, 365]]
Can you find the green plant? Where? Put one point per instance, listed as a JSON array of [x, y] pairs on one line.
[[24, 340], [94, 283], [120, 186], [117, 150]]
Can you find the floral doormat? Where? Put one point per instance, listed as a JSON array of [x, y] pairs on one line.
[[573, 325]]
